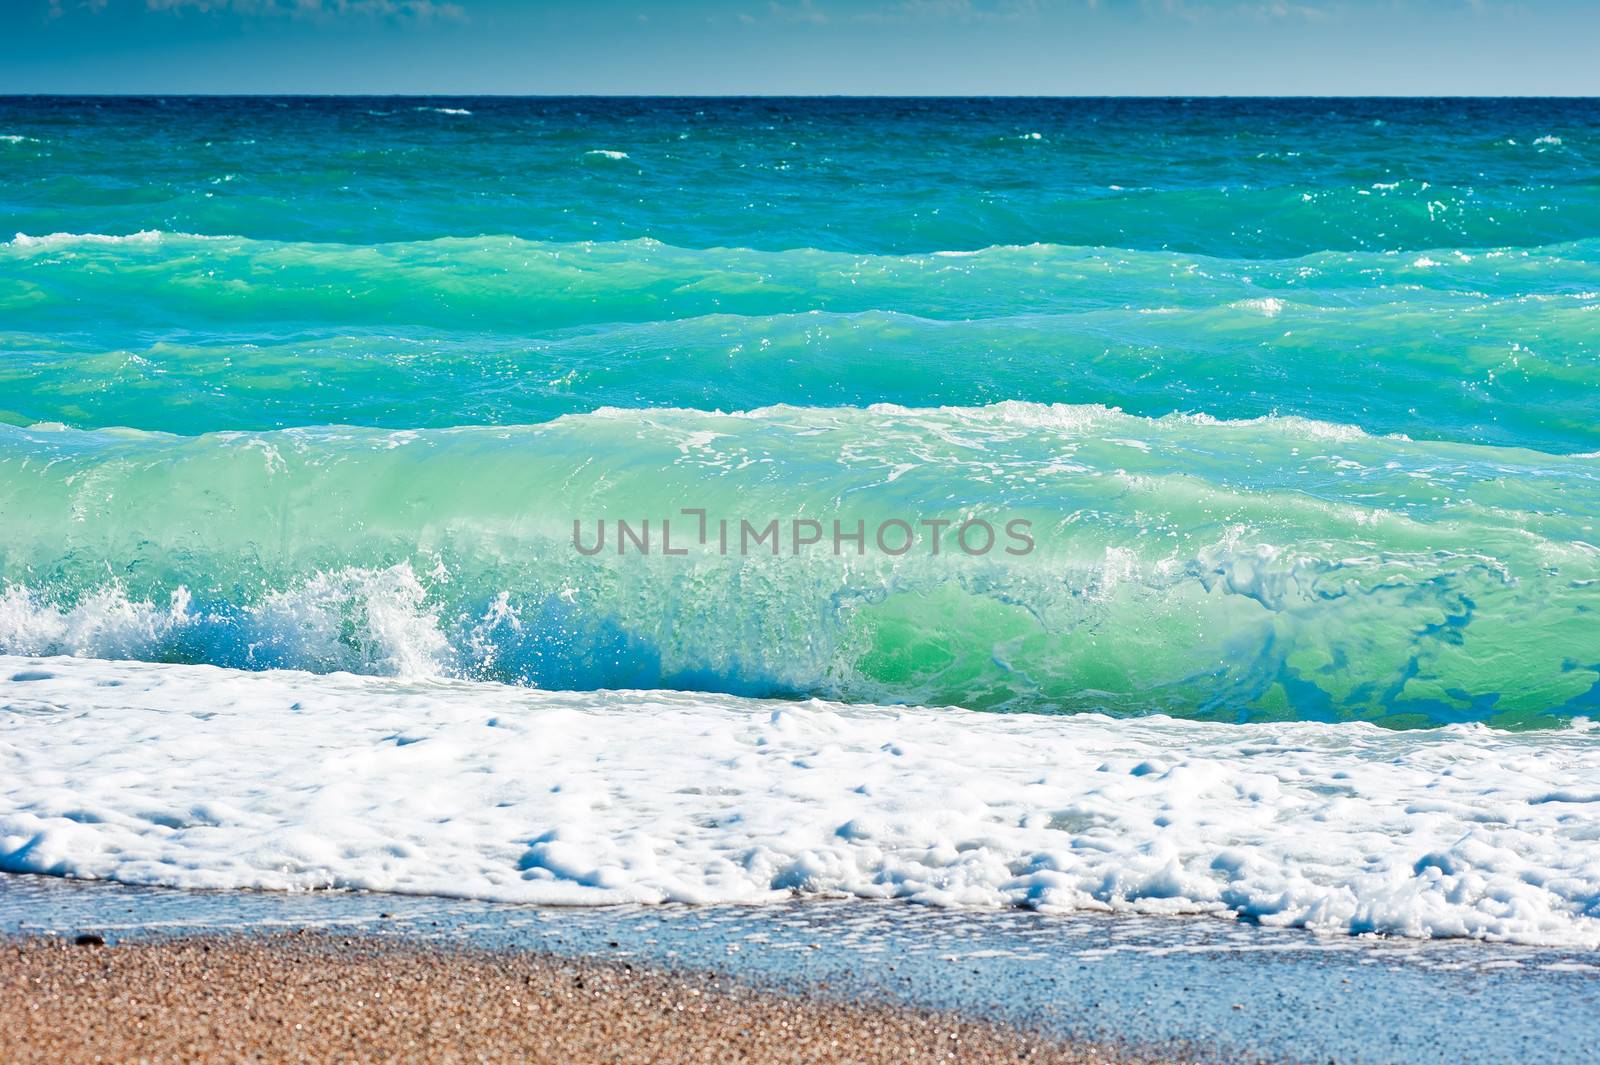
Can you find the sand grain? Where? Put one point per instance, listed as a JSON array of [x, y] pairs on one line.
[[314, 998]]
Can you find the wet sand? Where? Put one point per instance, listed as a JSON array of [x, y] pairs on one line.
[[312, 997]]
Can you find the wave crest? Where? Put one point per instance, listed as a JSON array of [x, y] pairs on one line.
[[1246, 569]]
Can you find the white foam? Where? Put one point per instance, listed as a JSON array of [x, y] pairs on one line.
[[371, 620], [1267, 307], [143, 236], [104, 622], [201, 777], [606, 153]]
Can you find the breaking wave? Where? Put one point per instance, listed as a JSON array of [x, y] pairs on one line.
[[1268, 568]]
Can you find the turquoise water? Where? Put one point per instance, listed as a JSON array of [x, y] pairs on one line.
[[1300, 399]]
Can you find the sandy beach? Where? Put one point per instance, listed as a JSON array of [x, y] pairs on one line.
[[310, 997]]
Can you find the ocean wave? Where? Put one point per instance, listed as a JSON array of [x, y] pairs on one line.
[[1254, 569], [1492, 347], [1228, 178], [22, 241], [489, 792], [371, 621], [1577, 250], [505, 281], [1369, 366]]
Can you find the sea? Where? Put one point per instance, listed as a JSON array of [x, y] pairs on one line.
[[1128, 506]]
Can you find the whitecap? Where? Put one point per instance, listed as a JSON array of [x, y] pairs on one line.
[[1267, 306], [143, 236]]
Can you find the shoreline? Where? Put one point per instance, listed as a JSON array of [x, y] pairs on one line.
[[310, 996], [1148, 988]]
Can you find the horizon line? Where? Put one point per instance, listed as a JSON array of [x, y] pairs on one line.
[[607, 94]]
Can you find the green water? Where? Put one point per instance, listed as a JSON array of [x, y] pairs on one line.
[[1300, 400]]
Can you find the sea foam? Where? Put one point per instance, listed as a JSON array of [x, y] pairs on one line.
[[290, 781]]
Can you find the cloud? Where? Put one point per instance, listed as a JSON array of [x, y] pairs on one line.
[[59, 7], [955, 11], [412, 10], [1252, 10], [804, 11]]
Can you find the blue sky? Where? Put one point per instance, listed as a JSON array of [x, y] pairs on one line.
[[1049, 47]]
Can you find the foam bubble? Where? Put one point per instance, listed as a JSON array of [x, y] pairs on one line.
[[484, 791]]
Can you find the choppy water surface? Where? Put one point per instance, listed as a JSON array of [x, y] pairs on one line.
[[1277, 294], [1299, 400]]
